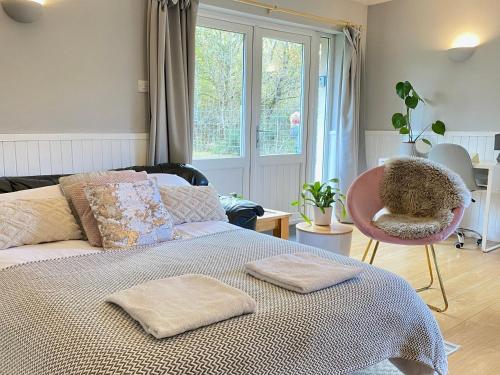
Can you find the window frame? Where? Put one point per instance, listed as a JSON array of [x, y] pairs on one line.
[[247, 32]]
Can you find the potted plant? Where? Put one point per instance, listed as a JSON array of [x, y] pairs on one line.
[[321, 196], [403, 122]]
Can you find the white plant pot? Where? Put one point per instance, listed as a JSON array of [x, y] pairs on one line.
[[321, 218], [408, 149]]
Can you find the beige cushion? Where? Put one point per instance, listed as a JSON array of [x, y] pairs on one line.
[[34, 221], [189, 204], [53, 191], [129, 214], [73, 188], [413, 227]]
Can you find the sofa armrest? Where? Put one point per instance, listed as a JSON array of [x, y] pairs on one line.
[[241, 212]]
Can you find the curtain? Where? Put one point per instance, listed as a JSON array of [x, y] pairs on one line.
[[171, 27], [350, 158]]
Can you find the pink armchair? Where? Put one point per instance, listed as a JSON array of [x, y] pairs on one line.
[[363, 202]]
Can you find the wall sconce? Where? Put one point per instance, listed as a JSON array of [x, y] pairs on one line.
[[464, 47], [25, 11]]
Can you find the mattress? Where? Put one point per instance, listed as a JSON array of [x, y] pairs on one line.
[[61, 249]]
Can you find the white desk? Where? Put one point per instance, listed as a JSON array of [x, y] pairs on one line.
[[492, 167]]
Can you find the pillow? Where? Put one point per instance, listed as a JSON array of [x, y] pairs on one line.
[[38, 193], [73, 188], [34, 221], [165, 179], [189, 204], [129, 214]]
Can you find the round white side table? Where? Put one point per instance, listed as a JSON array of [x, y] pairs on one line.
[[335, 238]]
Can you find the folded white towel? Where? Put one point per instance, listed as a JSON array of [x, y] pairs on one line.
[[301, 272], [168, 307]]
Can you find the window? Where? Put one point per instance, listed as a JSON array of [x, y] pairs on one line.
[[322, 115], [280, 128], [218, 97]]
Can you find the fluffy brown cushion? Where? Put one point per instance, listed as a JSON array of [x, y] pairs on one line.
[[73, 189], [419, 195], [413, 227], [419, 187]]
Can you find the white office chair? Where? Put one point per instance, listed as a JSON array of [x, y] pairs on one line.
[[456, 158]]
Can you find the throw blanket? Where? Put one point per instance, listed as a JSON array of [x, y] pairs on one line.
[[54, 318], [301, 272], [174, 305], [420, 195]]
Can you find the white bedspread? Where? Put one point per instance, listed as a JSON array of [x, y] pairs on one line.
[[61, 249]]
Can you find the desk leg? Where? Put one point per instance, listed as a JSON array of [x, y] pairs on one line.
[[282, 229], [486, 214]]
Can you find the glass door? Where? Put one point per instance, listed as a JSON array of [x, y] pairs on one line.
[[251, 110], [280, 117], [221, 134]]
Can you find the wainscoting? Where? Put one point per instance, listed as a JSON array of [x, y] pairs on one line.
[[41, 154], [383, 144]]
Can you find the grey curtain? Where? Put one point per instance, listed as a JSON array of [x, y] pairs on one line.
[[350, 145], [171, 27]]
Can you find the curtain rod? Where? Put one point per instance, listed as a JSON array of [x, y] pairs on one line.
[[274, 8]]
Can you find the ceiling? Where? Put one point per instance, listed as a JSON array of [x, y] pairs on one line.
[[371, 2]]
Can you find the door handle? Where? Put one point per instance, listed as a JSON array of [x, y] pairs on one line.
[[258, 135]]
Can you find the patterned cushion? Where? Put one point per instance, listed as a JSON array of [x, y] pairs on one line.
[[166, 179], [73, 188], [34, 221], [53, 191], [189, 204], [129, 214]]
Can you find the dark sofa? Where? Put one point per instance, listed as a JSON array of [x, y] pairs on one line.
[[240, 212]]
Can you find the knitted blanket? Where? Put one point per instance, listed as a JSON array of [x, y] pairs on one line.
[[54, 320]]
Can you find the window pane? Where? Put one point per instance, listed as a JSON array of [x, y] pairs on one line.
[[323, 79], [280, 128], [218, 100]]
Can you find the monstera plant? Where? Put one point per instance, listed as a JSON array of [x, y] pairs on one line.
[[402, 122]]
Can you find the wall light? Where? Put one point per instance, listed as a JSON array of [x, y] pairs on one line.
[[25, 11], [463, 47]]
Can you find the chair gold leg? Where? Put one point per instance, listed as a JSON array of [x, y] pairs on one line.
[[367, 250], [441, 285], [374, 252], [429, 266]]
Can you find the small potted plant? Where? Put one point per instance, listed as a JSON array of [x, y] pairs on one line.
[[402, 122], [320, 196]]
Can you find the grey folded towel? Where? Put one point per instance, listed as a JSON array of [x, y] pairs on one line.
[[301, 272], [171, 306]]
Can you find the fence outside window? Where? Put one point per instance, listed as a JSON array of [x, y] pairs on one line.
[[218, 134]]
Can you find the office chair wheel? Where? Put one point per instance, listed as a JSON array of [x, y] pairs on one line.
[[459, 245], [479, 241]]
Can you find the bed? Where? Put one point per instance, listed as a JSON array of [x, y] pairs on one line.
[[55, 321]]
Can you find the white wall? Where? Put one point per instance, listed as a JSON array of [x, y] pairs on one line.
[[407, 40], [75, 69]]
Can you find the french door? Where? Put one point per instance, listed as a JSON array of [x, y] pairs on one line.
[[279, 117], [252, 110]]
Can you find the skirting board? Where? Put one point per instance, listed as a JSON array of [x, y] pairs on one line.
[[383, 144], [42, 154]]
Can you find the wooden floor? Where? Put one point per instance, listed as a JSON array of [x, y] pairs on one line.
[[472, 282]]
